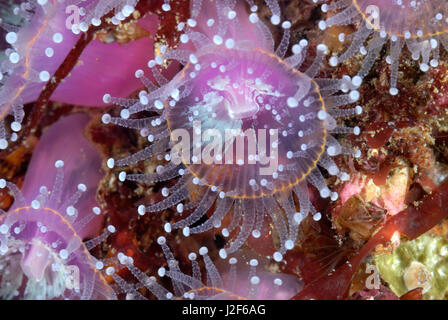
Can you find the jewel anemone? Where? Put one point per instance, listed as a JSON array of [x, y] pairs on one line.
[[46, 235], [235, 79], [420, 25], [242, 280]]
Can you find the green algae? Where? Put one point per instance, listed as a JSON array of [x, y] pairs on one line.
[[422, 262]]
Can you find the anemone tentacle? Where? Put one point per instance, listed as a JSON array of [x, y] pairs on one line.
[[421, 26], [215, 283]]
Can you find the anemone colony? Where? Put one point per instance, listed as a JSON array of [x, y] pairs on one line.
[[249, 120]]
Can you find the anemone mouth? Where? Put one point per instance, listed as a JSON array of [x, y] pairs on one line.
[[38, 272], [409, 20], [41, 248], [256, 119]]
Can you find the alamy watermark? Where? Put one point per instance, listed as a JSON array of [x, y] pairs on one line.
[[233, 146], [74, 17], [373, 281], [74, 12], [72, 278], [372, 17]]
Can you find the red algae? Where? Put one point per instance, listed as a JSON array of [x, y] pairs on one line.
[[410, 223]]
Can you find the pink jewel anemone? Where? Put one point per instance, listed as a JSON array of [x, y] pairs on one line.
[[235, 80], [420, 25], [42, 250]]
